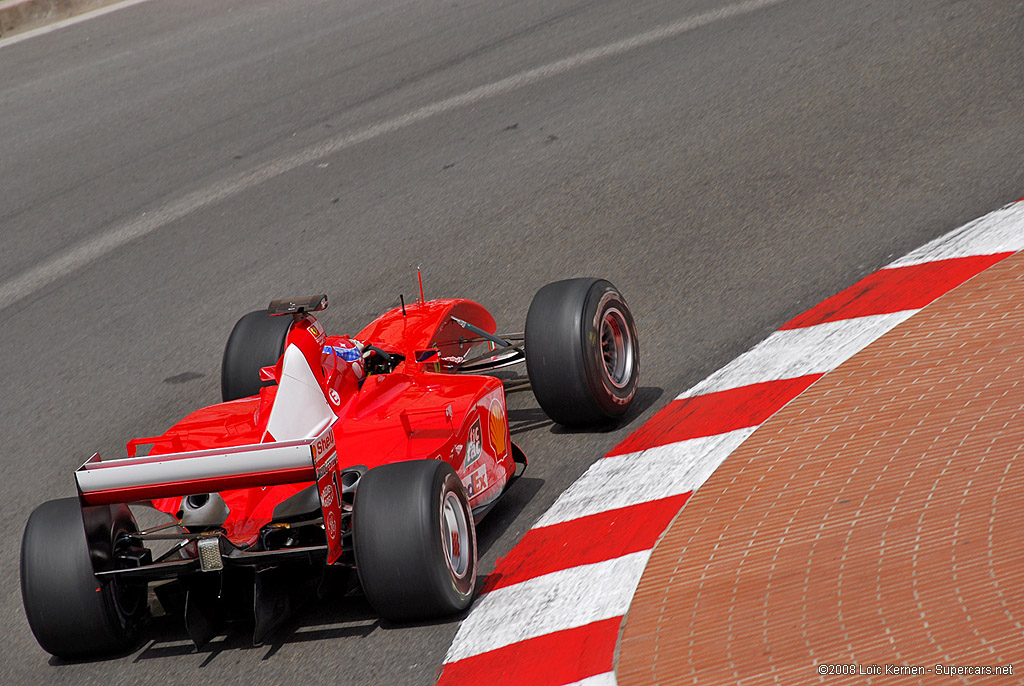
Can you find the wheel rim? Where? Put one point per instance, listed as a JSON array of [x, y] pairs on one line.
[[617, 350], [455, 535]]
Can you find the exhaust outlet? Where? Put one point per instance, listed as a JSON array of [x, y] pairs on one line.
[[204, 510]]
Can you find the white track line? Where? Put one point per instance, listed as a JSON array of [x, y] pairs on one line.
[[553, 602], [95, 248], [70, 21]]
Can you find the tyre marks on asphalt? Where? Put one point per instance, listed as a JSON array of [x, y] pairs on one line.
[[549, 615]]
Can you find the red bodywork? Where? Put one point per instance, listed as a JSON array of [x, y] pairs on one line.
[[417, 411]]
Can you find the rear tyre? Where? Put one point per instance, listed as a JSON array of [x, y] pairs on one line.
[[414, 540], [256, 341], [72, 614], [582, 354]]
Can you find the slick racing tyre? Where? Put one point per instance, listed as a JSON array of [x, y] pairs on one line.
[[582, 354], [256, 341], [73, 614], [414, 540]]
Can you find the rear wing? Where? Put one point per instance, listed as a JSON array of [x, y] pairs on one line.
[[103, 482]]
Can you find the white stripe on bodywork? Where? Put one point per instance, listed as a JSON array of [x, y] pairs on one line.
[[624, 480], [797, 352], [996, 232], [130, 473], [300, 408], [565, 599]]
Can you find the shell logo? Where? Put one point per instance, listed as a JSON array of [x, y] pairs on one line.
[[496, 428]]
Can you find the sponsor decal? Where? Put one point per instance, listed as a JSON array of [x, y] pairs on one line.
[[335, 398], [325, 459], [315, 329], [496, 428], [453, 359], [476, 482], [326, 467], [456, 545], [474, 444], [323, 445], [325, 455]]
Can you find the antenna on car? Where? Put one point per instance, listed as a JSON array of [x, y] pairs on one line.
[[401, 296], [420, 275]]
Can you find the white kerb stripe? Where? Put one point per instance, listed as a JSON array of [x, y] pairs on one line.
[[797, 352], [624, 480], [996, 232], [562, 600], [606, 679]]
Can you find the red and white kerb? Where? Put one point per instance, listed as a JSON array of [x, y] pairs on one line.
[[550, 613]]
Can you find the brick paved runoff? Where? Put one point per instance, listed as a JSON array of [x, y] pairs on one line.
[[872, 531]]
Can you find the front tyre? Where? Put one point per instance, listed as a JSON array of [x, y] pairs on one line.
[[414, 540], [72, 614], [582, 354]]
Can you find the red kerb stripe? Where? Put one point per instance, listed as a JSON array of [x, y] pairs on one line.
[[896, 289], [585, 540], [714, 413], [549, 660]]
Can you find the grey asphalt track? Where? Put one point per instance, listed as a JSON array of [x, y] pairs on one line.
[[725, 175]]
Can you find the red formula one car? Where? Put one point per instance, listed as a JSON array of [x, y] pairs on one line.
[[377, 453]]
